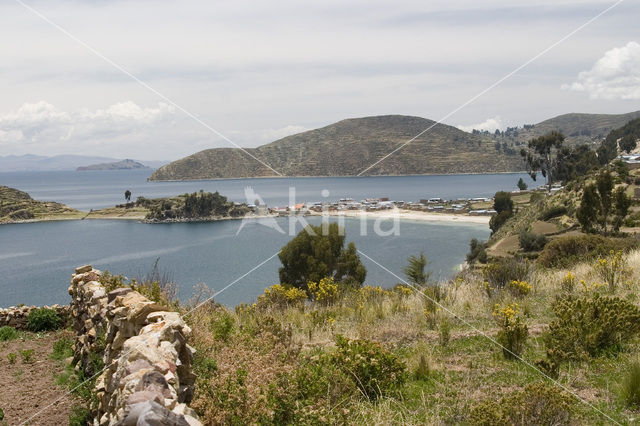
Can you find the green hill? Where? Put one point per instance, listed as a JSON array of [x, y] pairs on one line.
[[579, 128], [348, 147], [16, 205]]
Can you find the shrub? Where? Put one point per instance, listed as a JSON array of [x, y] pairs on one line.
[[373, 369], [222, 324], [519, 288], [477, 252], [43, 319], [62, 349], [79, 416], [503, 271], [27, 355], [513, 332], [281, 296], [532, 242], [630, 390], [536, 404], [568, 283], [497, 220], [308, 394], [444, 333], [553, 211], [612, 269], [422, 370], [567, 251], [592, 325], [8, 333], [325, 292]]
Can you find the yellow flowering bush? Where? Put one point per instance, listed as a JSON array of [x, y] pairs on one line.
[[613, 269], [281, 296], [519, 288], [568, 283], [324, 292], [513, 332]]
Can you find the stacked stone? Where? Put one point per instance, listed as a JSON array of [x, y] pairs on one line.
[[147, 377], [16, 316]]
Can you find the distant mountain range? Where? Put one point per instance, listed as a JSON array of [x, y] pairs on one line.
[[353, 146], [116, 165], [40, 163]]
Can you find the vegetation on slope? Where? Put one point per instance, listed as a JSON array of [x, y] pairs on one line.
[[17, 205], [348, 147], [427, 354]]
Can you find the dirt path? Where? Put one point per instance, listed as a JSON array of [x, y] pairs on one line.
[[27, 387]]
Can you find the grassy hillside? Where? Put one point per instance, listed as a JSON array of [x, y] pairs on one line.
[[17, 205], [350, 146]]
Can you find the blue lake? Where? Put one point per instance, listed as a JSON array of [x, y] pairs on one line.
[[36, 259]]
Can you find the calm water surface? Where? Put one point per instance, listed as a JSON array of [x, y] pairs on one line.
[[36, 259]]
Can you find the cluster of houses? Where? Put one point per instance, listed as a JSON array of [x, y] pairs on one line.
[[460, 205]]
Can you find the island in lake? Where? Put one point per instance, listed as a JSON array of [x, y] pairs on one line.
[[116, 165]]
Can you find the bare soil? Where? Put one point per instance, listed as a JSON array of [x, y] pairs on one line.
[[28, 387]]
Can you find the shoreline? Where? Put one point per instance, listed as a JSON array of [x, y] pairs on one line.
[[336, 176], [410, 215]]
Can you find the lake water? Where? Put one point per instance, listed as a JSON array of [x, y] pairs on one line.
[[37, 259], [98, 189]]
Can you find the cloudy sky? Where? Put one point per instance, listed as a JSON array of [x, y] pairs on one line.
[[257, 71]]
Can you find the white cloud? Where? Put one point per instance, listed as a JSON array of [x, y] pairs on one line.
[[614, 76], [490, 124], [44, 124]]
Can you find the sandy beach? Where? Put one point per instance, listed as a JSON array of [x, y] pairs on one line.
[[411, 215]]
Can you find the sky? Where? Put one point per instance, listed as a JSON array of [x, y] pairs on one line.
[[159, 80]]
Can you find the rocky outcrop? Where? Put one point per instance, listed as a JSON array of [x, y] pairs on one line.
[[17, 317], [147, 377]]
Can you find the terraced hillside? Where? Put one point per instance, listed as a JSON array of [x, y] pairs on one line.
[[17, 205], [348, 148]]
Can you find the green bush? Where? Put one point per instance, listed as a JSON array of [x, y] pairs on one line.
[[497, 220], [27, 355], [308, 394], [79, 416], [11, 357], [477, 252], [513, 331], [532, 242], [553, 211], [222, 325], [504, 270], [62, 349], [43, 319], [8, 333], [536, 404], [592, 325], [567, 251], [630, 390], [374, 370]]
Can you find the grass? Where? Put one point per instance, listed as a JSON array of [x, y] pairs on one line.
[[452, 363]]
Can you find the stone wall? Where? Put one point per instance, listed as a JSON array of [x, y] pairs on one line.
[[147, 377], [16, 317]]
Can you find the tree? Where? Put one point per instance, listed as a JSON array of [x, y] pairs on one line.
[[522, 186], [312, 255], [542, 156], [575, 162], [503, 205], [415, 271], [476, 252], [502, 202], [625, 138], [601, 206], [127, 195]]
